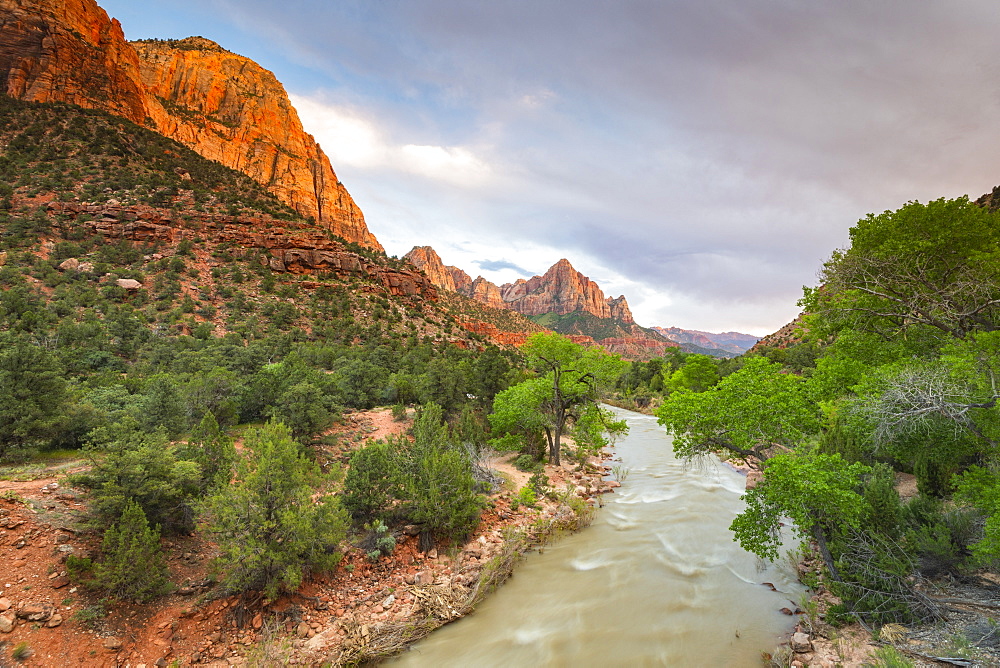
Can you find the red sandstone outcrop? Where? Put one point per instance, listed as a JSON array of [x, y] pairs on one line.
[[293, 247], [428, 261], [223, 106], [788, 335], [620, 310], [486, 292]]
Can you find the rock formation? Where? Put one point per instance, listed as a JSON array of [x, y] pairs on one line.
[[292, 247], [69, 51], [733, 342], [486, 292], [230, 109], [224, 106], [428, 261], [562, 289], [620, 310]]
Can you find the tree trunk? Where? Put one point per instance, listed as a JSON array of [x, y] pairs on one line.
[[824, 550]]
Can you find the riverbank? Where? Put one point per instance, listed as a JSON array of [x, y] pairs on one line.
[[333, 618]]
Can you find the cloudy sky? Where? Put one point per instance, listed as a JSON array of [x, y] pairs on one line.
[[703, 158]]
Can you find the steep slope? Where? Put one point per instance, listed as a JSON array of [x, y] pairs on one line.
[[223, 106], [561, 290], [230, 109]]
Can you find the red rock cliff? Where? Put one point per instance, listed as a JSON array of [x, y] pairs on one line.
[[230, 109], [223, 106], [561, 290], [69, 51]]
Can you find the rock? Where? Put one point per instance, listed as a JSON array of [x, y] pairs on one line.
[[85, 267], [5, 604], [54, 621], [786, 611], [60, 582], [7, 623], [800, 643], [258, 621], [302, 630], [35, 612], [112, 643], [411, 529], [71, 264], [387, 603], [128, 283], [185, 591]]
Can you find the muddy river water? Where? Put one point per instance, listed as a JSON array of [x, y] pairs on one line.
[[655, 581]]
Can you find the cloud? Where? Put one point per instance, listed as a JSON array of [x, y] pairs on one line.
[[499, 265], [701, 158]]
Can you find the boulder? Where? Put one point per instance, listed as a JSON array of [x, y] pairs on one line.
[[7, 623], [72, 264], [5, 604], [128, 283], [112, 643], [35, 612], [800, 643]]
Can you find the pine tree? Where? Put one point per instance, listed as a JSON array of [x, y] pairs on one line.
[[133, 566]]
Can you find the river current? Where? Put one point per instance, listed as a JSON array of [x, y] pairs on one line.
[[655, 581]]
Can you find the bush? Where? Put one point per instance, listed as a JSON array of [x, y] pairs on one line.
[[132, 566], [378, 541], [372, 484], [271, 532]]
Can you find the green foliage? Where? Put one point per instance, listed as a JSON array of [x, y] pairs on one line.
[[746, 414], [141, 467], [815, 491], [214, 452], [697, 374], [570, 378], [132, 566], [33, 396], [270, 530], [888, 656], [373, 481], [304, 409]]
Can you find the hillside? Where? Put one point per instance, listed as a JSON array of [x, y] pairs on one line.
[[221, 105]]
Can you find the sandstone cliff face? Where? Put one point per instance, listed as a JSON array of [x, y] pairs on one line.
[[224, 106], [69, 51], [428, 261], [561, 290], [620, 310], [230, 109], [486, 292]]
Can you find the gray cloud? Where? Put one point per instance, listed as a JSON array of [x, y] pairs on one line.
[[707, 156], [499, 265]]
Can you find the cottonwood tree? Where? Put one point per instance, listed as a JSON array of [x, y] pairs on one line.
[[934, 265], [748, 414], [570, 378]]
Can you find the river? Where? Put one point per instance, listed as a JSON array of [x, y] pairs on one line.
[[655, 581]]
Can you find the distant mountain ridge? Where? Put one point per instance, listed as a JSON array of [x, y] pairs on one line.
[[562, 300], [732, 342]]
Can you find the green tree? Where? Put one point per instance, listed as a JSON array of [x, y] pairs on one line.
[[140, 467], [271, 532], [570, 378], [698, 373], [132, 565], [746, 415], [304, 409], [929, 266], [817, 492], [33, 396], [373, 482], [213, 450]]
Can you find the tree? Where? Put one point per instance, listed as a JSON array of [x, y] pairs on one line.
[[141, 467], [570, 378], [213, 450], [132, 564], [373, 483], [698, 373], [934, 266], [33, 396], [747, 414], [304, 409], [271, 532], [817, 492]]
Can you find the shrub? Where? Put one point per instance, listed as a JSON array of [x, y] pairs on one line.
[[372, 484], [271, 532], [132, 566]]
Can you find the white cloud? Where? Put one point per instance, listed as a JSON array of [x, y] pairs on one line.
[[349, 137]]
